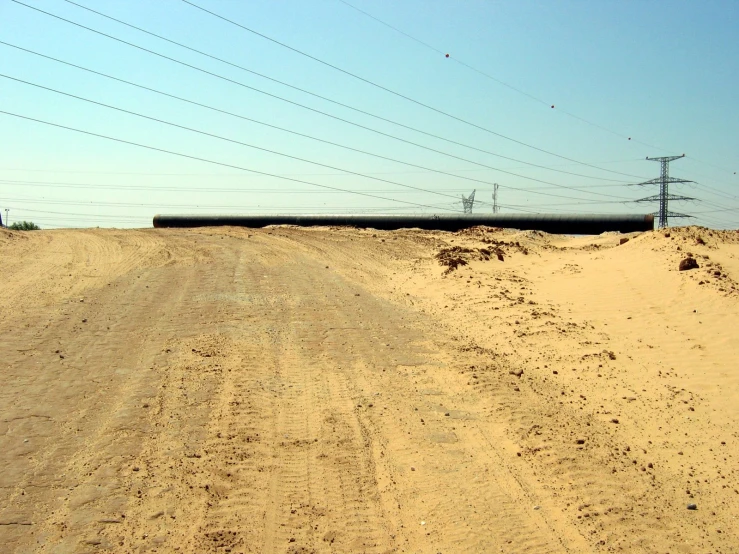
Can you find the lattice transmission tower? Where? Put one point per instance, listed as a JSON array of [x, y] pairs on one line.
[[664, 196], [468, 202]]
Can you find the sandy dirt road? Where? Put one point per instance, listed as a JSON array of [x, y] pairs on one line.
[[288, 390]]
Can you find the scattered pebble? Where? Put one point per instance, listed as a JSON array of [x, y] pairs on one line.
[[692, 506]]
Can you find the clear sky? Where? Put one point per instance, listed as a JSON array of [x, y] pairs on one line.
[[627, 78]]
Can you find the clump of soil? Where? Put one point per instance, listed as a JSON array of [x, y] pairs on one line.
[[688, 263], [457, 256], [498, 243], [453, 257]]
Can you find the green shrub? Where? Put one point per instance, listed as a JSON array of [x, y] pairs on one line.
[[24, 226]]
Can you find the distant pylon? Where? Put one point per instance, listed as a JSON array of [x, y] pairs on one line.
[[495, 198], [468, 202], [664, 196]]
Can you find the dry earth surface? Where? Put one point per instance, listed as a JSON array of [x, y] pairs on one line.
[[337, 390]]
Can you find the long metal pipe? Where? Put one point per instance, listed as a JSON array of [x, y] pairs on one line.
[[571, 224]]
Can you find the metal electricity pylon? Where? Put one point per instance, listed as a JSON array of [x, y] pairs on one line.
[[495, 198], [468, 202], [664, 196]]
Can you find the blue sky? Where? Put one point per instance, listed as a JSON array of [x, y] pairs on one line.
[[663, 73]]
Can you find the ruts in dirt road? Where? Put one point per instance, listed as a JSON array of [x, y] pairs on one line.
[[340, 390]]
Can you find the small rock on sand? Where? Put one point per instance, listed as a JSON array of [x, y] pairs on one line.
[[688, 263]]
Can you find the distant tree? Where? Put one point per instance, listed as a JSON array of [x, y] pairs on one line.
[[24, 226]]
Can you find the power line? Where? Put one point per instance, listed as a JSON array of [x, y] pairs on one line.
[[358, 110], [722, 210], [88, 172], [147, 216], [719, 193], [379, 156], [159, 205], [398, 94], [712, 165], [219, 137], [83, 185], [98, 186], [714, 204], [213, 161], [120, 204], [721, 222], [488, 76], [350, 172], [296, 104], [518, 90], [308, 92], [311, 93], [180, 188]]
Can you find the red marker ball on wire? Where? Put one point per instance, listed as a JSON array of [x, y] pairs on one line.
[[447, 55]]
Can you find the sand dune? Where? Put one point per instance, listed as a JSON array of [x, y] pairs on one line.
[[340, 390]]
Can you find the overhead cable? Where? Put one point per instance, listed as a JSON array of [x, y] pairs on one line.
[[316, 95], [233, 166], [395, 93], [358, 110], [302, 106], [516, 89], [283, 129]]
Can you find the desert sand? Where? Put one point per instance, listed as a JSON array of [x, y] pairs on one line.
[[340, 390]]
